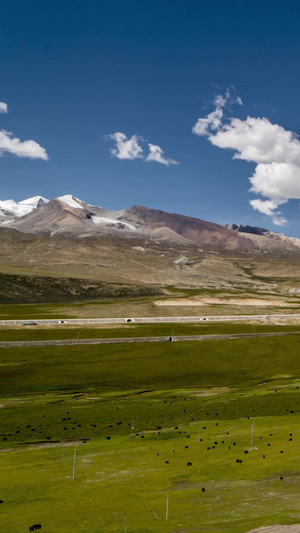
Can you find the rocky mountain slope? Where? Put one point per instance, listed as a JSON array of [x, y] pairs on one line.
[[67, 215], [263, 232], [42, 289], [68, 238]]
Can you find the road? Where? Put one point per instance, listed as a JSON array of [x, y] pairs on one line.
[[131, 340], [146, 320]]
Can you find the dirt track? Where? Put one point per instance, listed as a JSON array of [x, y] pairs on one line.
[[131, 340], [295, 528]]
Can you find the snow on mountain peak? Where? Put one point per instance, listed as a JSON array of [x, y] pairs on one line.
[[34, 201], [70, 200], [10, 208]]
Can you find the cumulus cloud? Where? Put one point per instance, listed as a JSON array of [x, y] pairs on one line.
[[268, 207], [274, 150], [3, 107], [156, 154], [15, 146], [279, 220], [213, 121], [276, 180], [130, 148], [126, 148], [258, 140]]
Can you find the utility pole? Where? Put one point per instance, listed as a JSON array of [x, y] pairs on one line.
[[155, 514], [74, 462], [126, 525], [167, 508], [252, 437], [132, 427]]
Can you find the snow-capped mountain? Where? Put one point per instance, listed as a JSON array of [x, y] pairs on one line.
[[68, 215], [10, 210], [64, 214], [71, 201], [97, 215]]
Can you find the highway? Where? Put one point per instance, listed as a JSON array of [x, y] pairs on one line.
[[146, 320], [132, 340]]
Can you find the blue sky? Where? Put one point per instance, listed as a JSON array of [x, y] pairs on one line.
[[74, 74]]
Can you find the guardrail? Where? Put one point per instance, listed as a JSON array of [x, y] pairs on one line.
[[143, 320]]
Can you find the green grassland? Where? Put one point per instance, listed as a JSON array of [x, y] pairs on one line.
[[147, 305], [55, 398], [32, 333]]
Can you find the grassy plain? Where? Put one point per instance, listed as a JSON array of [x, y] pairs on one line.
[[31, 333], [235, 301], [56, 398]]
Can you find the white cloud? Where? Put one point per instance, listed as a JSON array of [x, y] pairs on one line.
[[266, 207], [274, 150], [131, 149], [279, 220], [126, 148], [276, 180], [3, 107], [258, 140], [213, 121], [156, 154], [15, 146]]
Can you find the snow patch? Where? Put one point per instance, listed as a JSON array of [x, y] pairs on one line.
[[111, 221], [71, 201], [35, 201]]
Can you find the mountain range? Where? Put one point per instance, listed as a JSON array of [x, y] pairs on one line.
[[67, 215], [66, 237]]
